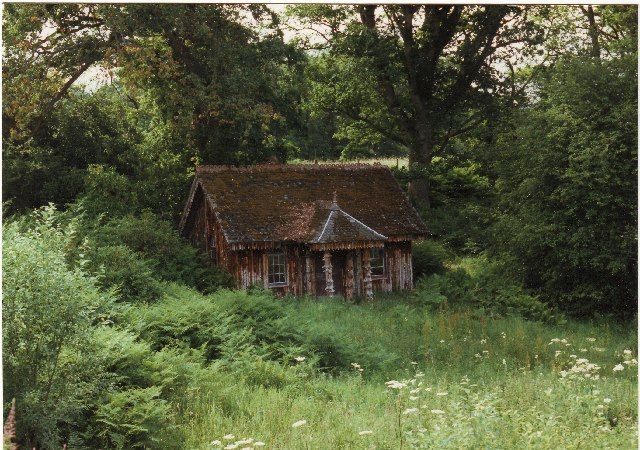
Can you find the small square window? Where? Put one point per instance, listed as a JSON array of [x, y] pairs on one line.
[[377, 262], [277, 269]]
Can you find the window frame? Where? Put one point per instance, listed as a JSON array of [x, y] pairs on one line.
[[382, 258], [282, 254]]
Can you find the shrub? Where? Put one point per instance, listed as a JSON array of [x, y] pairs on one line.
[[171, 257], [487, 290], [428, 258], [333, 351], [107, 192], [120, 268], [48, 308]]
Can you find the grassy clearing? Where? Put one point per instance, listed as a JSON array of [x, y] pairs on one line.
[[463, 381]]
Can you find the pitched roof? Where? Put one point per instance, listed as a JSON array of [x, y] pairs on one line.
[[340, 226], [291, 202]]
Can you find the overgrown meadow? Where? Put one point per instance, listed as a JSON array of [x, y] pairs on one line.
[[134, 351], [513, 129]]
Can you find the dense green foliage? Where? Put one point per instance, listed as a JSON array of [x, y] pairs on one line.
[[516, 141], [566, 211], [187, 368]]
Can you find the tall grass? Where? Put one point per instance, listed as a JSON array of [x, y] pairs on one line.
[[481, 382]]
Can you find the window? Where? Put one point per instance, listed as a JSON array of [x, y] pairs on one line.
[[377, 262], [277, 269]]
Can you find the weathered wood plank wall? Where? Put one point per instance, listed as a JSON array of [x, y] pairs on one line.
[[250, 266]]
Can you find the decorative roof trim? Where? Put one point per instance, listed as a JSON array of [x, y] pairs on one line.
[[346, 245], [326, 224], [334, 208]]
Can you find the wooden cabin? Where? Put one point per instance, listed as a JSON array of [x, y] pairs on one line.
[[323, 230]]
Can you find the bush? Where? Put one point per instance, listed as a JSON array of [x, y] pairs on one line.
[[428, 258], [172, 258], [48, 309], [107, 192], [333, 351], [487, 290], [120, 268]]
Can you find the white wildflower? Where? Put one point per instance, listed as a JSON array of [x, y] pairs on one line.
[[607, 400], [231, 446], [258, 444], [618, 368], [442, 341], [393, 384], [299, 423], [627, 352], [412, 398], [245, 441], [216, 443], [228, 437], [300, 358], [414, 391], [365, 432], [442, 393], [410, 411], [437, 411], [591, 339]]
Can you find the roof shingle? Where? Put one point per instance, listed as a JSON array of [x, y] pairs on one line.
[[291, 202]]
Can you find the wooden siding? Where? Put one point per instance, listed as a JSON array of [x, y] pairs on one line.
[[249, 266]]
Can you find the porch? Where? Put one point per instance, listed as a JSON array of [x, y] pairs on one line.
[[347, 273]]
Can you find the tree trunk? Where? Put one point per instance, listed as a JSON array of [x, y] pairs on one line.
[[420, 161], [593, 31]]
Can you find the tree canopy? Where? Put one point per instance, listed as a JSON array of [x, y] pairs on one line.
[[517, 121]]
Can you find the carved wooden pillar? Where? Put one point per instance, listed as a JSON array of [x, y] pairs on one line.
[[366, 265], [349, 282], [328, 273], [309, 274]]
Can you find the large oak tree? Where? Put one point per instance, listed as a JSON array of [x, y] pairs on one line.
[[430, 67]]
